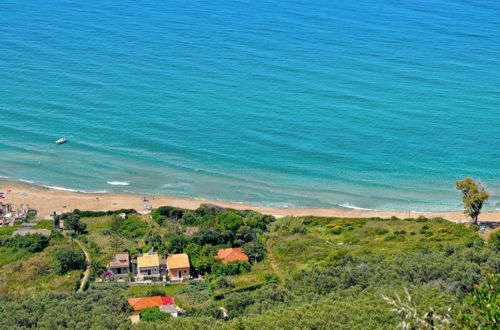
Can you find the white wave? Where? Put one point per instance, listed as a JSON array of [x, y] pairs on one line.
[[75, 190], [350, 206], [119, 183], [60, 188], [169, 185], [26, 181]]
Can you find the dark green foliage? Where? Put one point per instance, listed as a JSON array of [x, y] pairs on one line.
[[256, 301], [381, 231], [228, 221], [162, 213], [202, 257], [153, 314], [72, 222], [94, 309], [232, 268], [177, 244], [67, 260], [32, 243], [456, 273], [132, 227], [484, 305], [254, 250], [188, 219], [208, 210], [155, 292]]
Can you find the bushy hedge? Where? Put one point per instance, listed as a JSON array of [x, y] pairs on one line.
[[67, 260], [31, 242], [95, 214]]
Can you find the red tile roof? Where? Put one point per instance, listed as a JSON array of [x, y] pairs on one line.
[[231, 254], [147, 302]]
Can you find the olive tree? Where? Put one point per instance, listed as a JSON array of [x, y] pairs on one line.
[[474, 196]]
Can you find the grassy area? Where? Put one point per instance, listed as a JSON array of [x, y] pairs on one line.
[[22, 272], [98, 239], [44, 224], [6, 232], [259, 273], [324, 238]]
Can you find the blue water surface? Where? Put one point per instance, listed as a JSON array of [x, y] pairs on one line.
[[369, 104]]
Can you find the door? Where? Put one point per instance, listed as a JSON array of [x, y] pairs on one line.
[[180, 274]]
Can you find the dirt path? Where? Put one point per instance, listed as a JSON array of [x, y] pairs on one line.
[[275, 266], [86, 273]]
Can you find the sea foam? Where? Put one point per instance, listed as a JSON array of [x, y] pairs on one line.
[[118, 183]]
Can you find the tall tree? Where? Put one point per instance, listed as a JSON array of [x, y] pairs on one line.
[[474, 196]]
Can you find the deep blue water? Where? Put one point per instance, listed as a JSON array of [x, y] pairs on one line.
[[371, 104]]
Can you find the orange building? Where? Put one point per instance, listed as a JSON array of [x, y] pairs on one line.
[[231, 254], [178, 266], [139, 304]]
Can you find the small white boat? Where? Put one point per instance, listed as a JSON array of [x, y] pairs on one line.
[[62, 140]]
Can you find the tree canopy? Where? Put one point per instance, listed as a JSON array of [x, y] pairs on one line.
[[474, 196]]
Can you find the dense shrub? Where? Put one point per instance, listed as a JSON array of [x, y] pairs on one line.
[[456, 273], [254, 250], [231, 268], [72, 222], [162, 213], [153, 314], [67, 260], [209, 210], [94, 309], [32, 242], [257, 301]]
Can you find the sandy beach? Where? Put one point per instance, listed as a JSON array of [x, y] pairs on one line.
[[46, 201]]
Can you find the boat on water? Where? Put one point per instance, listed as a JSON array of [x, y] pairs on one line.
[[62, 140]]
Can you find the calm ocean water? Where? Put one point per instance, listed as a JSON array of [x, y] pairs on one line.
[[369, 104]]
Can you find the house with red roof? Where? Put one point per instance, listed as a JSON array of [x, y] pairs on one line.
[[231, 254], [139, 304], [165, 304]]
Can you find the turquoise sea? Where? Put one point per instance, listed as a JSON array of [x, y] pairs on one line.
[[358, 104]]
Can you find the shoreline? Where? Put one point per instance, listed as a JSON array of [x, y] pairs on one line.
[[47, 200]]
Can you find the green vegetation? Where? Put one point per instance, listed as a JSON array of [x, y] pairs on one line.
[[68, 260], [27, 265], [474, 196], [31, 243], [305, 272], [44, 224], [95, 309], [71, 222], [153, 314]]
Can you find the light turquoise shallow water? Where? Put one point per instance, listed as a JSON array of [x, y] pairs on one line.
[[370, 104]]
